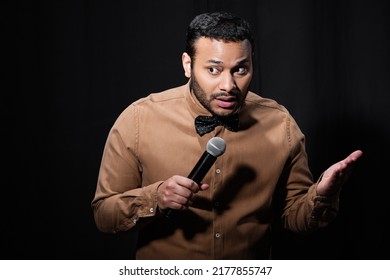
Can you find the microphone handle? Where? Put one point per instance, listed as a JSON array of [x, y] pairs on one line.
[[202, 167], [197, 174]]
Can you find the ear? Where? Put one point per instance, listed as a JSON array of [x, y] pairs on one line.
[[186, 61]]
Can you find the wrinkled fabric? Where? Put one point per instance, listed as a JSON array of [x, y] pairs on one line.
[[262, 176]]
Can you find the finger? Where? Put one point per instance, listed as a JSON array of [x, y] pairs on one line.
[[353, 157], [185, 201], [187, 183], [182, 202], [357, 154], [346, 166], [204, 187], [345, 169], [182, 196], [183, 193], [170, 193], [178, 206]]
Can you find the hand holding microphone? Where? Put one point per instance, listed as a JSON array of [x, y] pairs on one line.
[[176, 193]]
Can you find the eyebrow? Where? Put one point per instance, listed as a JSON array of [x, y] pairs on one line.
[[214, 61], [241, 62]]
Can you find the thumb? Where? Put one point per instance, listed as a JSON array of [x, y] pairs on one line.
[[204, 187]]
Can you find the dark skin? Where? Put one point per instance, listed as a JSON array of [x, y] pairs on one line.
[[222, 72]]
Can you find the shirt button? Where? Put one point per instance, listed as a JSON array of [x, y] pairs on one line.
[[216, 204], [218, 171], [217, 235]]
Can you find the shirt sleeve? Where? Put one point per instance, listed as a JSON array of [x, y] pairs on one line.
[[120, 202], [304, 210]]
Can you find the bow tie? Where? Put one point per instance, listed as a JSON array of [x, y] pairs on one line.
[[205, 124]]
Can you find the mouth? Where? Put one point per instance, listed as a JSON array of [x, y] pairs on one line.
[[226, 102]]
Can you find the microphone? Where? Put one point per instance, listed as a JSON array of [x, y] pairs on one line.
[[215, 147]]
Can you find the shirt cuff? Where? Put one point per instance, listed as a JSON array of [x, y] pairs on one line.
[[325, 208], [148, 206], [143, 204]]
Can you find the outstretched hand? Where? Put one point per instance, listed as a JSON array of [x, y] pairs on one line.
[[337, 174]]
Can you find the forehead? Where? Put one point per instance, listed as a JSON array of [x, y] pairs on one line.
[[211, 49]]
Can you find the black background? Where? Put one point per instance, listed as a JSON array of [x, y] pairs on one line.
[[70, 67]]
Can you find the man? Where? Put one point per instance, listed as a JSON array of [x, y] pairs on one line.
[[154, 144]]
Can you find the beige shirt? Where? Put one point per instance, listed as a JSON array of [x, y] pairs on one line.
[[264, 165]]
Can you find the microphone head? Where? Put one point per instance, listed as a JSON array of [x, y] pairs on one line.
[[216, 146]]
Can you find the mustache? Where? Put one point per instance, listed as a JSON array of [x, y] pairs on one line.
[[226, 94]]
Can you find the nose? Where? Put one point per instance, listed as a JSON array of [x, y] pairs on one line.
[[227, 83]]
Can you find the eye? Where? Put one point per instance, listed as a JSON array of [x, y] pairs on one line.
[[213, 70], [242, 70]]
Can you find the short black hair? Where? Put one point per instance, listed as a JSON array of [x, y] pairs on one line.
[[220, 26]]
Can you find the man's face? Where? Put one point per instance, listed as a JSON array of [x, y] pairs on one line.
[[220, 74]]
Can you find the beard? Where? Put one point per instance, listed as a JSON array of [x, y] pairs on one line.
[[201, 95]]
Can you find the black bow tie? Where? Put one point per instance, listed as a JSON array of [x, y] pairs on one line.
[[205, 124]]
